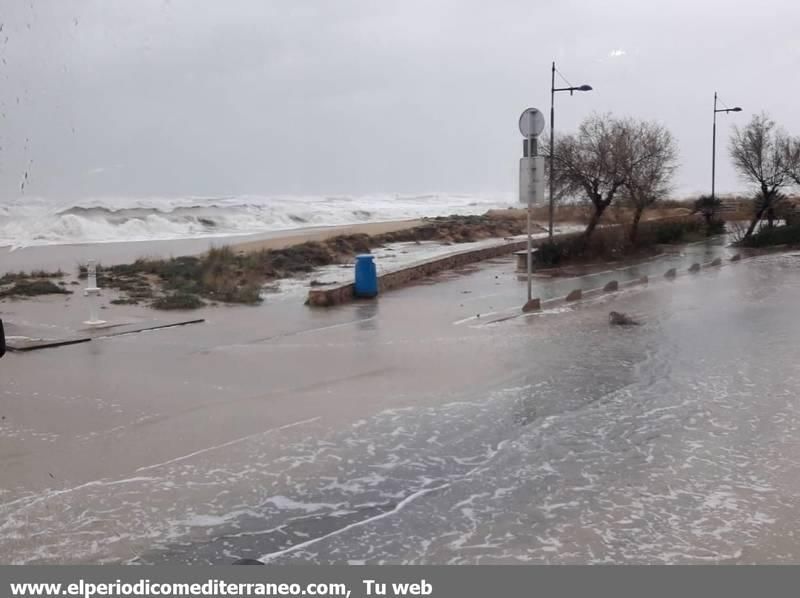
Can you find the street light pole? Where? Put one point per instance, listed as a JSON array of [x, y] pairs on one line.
[[714, 143], [552, 143], [714, 149], [553, 90]]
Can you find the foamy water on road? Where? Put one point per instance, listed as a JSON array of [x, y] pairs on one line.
[[672, 442]]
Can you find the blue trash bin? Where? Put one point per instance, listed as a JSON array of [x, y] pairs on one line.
[[366, 276]]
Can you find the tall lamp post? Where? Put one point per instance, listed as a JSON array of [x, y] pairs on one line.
[[553, 90], [714, 142]]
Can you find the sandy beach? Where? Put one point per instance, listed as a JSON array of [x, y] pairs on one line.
[[322, 234], [67, 257]]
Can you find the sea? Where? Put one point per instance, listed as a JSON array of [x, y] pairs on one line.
[[34, 221]]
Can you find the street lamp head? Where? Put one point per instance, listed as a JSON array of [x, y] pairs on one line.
[[584, 88], [737, 109]]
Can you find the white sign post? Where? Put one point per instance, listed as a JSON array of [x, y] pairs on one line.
[[93, 292], [531, 173]]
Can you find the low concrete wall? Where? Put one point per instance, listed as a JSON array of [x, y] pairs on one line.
[[329, 296], [336, 295]]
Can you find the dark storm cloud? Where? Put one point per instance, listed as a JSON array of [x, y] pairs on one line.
[[206, 97]]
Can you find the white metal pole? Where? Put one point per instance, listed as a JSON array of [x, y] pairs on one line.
[[530, 206]]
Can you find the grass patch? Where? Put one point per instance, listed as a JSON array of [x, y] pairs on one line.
[[32, 288], [26, 276]]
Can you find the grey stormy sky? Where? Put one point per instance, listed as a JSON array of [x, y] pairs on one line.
[[173, 97]]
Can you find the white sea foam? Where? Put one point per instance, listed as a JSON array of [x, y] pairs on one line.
[[38, 221]]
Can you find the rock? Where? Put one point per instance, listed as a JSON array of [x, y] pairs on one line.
[[671, 273], [574, 295], [616, 318], [736, 258], [532, 305], [716, 262], [247, 562], [694, 268], [611, 286]]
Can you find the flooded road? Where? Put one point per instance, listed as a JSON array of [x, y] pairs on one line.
[[550, 438]]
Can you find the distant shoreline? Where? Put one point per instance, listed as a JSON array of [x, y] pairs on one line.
[[67, 257], [323, 233]]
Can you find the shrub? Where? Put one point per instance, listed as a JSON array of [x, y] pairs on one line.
[[178, 300], [672, 232], [26, 276], [669, 232], [708, 206], [778, 235], [31, 288], [549, 254], [715, 227]]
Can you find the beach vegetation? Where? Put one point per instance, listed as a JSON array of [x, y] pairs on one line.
[[769, 236], [32, 288], [178, 300], [11, 277]]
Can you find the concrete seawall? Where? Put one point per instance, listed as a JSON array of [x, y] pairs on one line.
[[336, 295]]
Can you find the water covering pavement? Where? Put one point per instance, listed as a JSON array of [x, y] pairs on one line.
[[675, 441]]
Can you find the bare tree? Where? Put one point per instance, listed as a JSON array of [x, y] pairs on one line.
[[594, 162], [562, 190], [610, 157], [762, 154], [792, 157], [652, 161]]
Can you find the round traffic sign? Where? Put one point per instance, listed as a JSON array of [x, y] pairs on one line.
[[531, 122]]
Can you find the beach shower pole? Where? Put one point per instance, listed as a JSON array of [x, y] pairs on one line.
[[92, 291]]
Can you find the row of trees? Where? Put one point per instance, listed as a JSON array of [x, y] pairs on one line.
[[633, 162]]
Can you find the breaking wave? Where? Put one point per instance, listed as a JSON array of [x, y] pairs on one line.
[[38, 221]]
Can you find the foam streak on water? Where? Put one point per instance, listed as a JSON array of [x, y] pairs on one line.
[[673, 442]]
